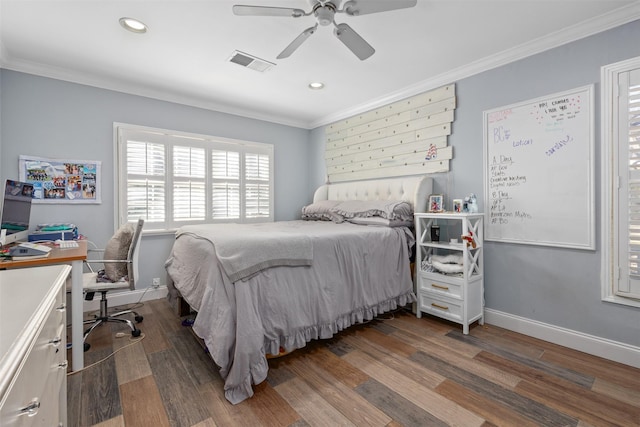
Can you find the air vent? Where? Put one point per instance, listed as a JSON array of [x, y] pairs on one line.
[[249, 61]]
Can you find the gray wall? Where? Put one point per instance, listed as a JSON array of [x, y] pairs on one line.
[[557, 286], [317, 165], [1, 119], [551, 285], [52, 118]]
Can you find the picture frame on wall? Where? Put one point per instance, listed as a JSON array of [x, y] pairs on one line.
[[436, 203]]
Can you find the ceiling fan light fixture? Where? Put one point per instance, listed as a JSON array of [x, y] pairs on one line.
[[133, 25], [316, 85], [325, 13]]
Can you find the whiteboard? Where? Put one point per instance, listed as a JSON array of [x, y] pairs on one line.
[[539, 171]]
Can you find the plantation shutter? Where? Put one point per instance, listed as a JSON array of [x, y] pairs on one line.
[[225, 175], [189, 169], [629, 212], [146, 168], [257, 185], [173, 179]]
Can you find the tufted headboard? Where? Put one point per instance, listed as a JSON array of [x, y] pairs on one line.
[[413, 189]]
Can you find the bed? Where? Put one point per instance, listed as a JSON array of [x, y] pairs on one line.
[[268, 288]]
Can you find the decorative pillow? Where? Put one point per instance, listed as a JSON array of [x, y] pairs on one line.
[[118, 248], [389, 209], [379, 221], [321, 210]]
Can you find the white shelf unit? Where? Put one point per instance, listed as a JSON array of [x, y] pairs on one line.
[[456, 297]]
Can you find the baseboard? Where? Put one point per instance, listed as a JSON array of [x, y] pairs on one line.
[[597, 346], [128, 297]]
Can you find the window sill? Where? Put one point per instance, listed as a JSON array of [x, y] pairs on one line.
[[622, 300]]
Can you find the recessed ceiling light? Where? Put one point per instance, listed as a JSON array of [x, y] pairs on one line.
[[133, 25], [316, 85]]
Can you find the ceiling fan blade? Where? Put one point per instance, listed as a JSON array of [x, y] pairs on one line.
[[364, 7], [297, 42], [244, 10], [353, 41]]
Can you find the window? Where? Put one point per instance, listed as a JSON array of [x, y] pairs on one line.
[[172, 179], [621, 182]]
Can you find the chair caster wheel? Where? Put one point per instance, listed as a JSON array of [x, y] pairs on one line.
[[86, 346], [139, 319], [136, 333]]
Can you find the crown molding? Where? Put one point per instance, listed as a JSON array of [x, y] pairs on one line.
[[73, 76], [576, 32], [3, 53], [587, 28]]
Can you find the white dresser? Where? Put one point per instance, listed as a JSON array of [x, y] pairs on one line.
[[33, 356]]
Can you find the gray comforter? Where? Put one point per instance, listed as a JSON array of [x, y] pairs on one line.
[[356, 273]]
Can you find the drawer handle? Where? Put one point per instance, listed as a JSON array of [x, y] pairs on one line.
[[54, 342], [63, 365], [446, 288], [31, 409], [441, 307], [62, 307]]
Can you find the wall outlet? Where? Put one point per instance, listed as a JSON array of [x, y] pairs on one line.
[[155, 283]]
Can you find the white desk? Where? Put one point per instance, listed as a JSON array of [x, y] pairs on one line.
[[75, 257]]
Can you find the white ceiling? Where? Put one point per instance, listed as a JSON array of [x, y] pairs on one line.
[[184, 55]]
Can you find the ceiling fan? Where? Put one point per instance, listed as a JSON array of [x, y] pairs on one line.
[[324, 12]]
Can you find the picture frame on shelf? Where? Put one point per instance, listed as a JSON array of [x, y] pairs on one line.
[[457, 205], [436, 203]]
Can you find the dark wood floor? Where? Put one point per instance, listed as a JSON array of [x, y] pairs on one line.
[[391, 372]]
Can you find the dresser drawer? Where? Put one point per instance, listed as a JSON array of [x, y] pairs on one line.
[[59, 311], [440, 307], [39, 381], [53, 410], [440, 286]]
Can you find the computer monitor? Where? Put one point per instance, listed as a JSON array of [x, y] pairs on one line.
[[16, 210]]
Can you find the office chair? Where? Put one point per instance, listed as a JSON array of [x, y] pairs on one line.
[[120, 259]]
